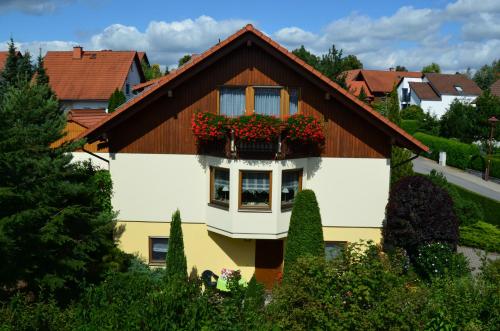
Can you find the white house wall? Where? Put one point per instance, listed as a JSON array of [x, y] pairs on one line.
[[351, 192]]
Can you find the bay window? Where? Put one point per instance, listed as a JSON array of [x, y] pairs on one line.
[[219, 186], [291, 184], [255, 190]]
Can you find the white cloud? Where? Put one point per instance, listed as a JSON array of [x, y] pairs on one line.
[[34, 46], [467, 8], [294, 36]]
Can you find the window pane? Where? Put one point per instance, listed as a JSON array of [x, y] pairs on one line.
[[333, 249], [294, 101], [255, 189], [267, 101], [232, 101], [221, 185], [289, 186], [159, 248]]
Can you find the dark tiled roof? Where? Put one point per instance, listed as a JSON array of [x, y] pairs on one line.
[[454, 84], [424, 91]]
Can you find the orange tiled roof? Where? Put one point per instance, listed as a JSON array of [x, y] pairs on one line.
[[366, 111], [495, 88], [350, 75], [94, 76], [87, 117], [448, 83], [3, 58], [381, 81], [356, 86]]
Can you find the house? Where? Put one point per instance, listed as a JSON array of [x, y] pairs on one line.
[[86, 79], [377, 84], [495, 88], [235, 199], [434, 92]]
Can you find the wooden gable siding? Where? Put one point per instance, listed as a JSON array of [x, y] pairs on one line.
[[164, 126], [73, 130]]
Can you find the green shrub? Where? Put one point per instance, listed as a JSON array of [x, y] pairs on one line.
[[490, 207], [438, 260], [467, 211], [481, 235], [457, 154], [479, 163], [410, 126], [412, 112], [176, 258], [419, 212], [305, 234]]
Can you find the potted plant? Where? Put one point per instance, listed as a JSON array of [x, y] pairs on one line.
[[304, 130], [256, 128], [209, 127]]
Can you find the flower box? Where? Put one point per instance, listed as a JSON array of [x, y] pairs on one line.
[[255, 128], [209, 127], [304, 130]]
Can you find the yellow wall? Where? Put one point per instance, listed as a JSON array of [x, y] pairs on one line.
[[204, 249], [208, 250]]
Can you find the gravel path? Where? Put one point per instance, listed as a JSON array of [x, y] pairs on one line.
[[475, 256]]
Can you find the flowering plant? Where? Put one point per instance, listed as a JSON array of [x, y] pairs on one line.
[[305, 129], [208, 126], [256, 127]]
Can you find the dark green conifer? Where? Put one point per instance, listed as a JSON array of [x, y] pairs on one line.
[[176, 259], [116, 100]]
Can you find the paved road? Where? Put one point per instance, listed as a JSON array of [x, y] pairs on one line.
[[475, 257], [459, 177]]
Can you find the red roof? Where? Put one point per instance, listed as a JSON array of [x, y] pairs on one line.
[[3, 58], [356, 86], [424, 91], [87, 117], [380, 81], [93, 76], [143, 56], [400, 136], [495, 88], [453, 84]]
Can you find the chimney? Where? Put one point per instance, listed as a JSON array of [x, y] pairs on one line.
[[77, 52]]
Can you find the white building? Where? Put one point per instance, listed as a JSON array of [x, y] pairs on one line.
[[435, 92]]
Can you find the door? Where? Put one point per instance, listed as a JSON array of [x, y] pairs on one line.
[[268, 261]]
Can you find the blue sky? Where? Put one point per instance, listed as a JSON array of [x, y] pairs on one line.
[[456, 34]]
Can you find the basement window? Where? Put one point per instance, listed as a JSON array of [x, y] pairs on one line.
[[333, 249], [158, 247], [255, 190]]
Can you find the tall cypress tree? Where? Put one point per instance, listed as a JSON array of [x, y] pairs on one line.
[[305, 234], [176, 259], [55, 233]]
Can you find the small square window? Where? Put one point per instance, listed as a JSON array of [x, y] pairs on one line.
[[158, 247], [291, 184], [333, 249], [219, 186], [255, 189]]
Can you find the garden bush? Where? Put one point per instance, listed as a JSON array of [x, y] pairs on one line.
[[481, 235], [305, 234], [419, 212], [479, 163], [490, 207], [438, 260], [410, 126], [457, 154]]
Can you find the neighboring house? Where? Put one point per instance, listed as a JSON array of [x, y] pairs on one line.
[[236, 207], [435, 92], [143, 57], [495, 88], [376, 83], [86, 79]]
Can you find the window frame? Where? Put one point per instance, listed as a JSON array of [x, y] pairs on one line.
[[337, 242], [289, 206], [240, 186], [211, 199], [150, 251]]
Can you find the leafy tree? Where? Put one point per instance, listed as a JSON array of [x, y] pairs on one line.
[[401, 68], [176, 259], [487, 105], [487, 75], [419, 212], [55, 234], [431, 68], [412, 112], [116, 99], [183, 60], [151, 72], [429, 124], [307, 56], [305, 234], [460, 122]]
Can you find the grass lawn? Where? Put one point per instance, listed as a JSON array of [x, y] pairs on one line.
[[491, 208], [481, 235]]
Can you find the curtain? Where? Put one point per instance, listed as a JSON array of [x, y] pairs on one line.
[[290, 182], [294, 101], [267, 101], [255, 182], [221, 180], [232, 101]]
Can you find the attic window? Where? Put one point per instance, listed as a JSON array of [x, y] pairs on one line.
[[458, 88]]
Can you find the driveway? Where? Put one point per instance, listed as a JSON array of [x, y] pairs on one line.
[[458, 177]]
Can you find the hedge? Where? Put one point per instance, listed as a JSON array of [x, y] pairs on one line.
[[481, 235], [491, 208], [457, 154], [479, 163], [410, 126]]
